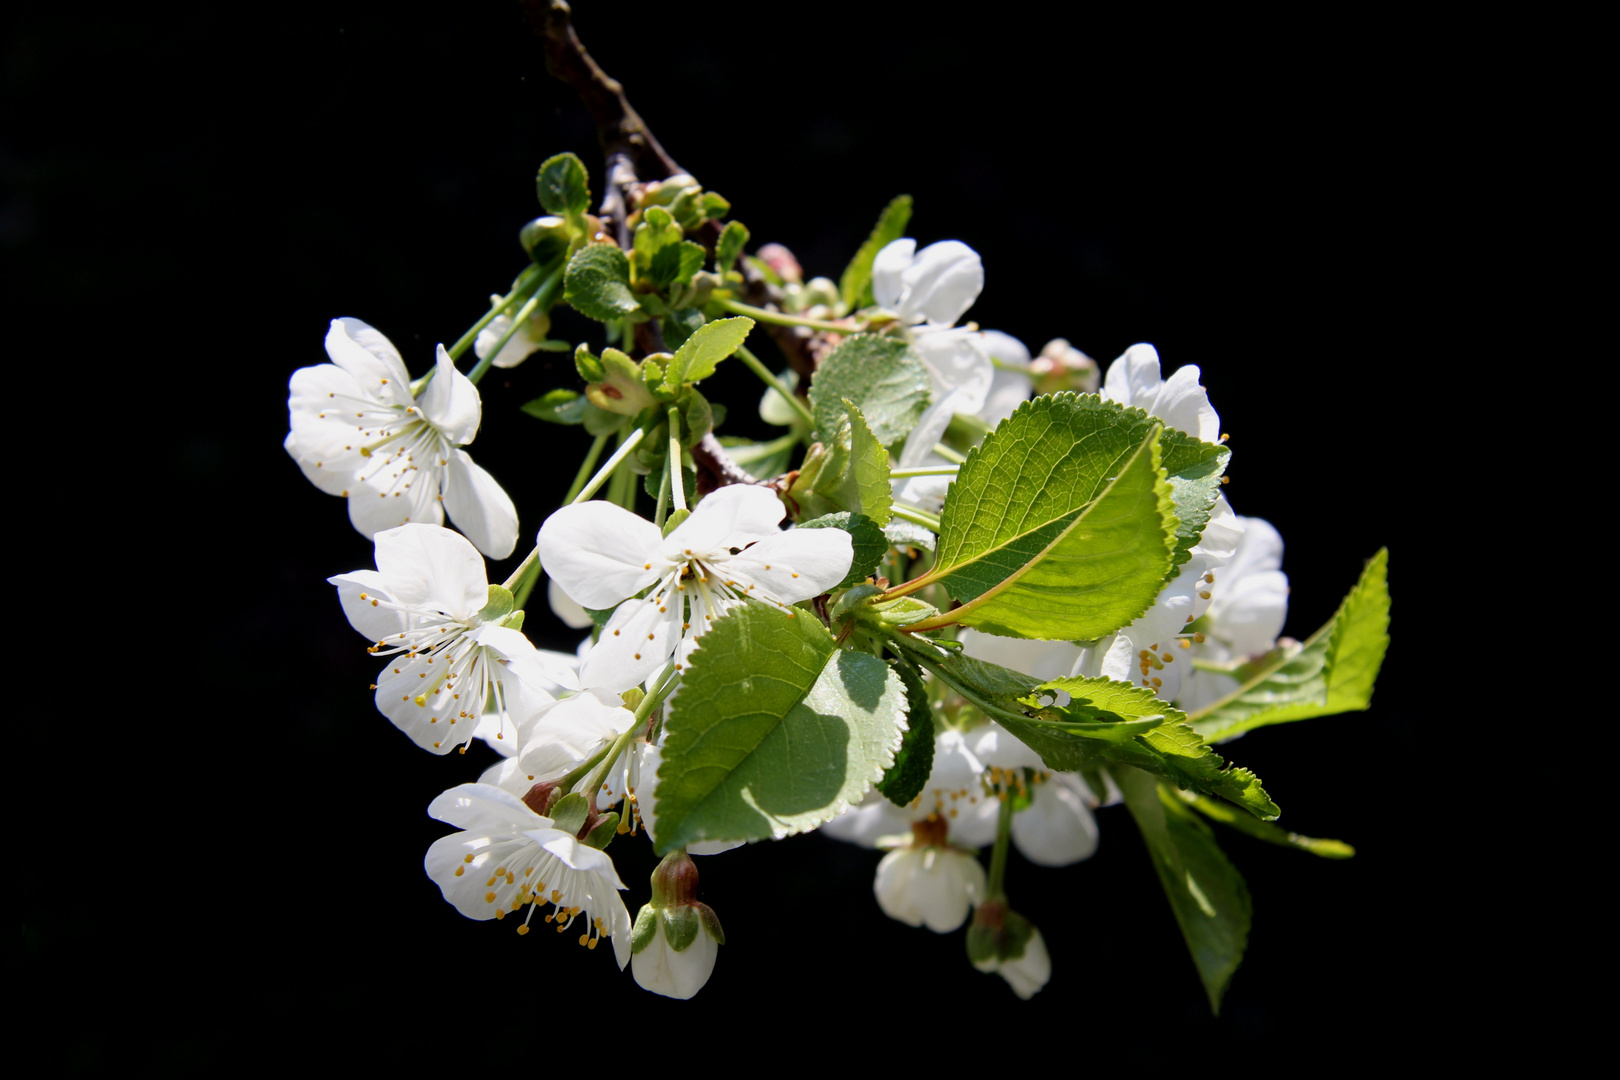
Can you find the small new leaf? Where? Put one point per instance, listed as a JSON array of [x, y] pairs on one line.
[[855, 286], [675, 264], [558, 406], [564, 186], [1333, 672], [597, 283], [732, 240], [776, 730], [703, 350]]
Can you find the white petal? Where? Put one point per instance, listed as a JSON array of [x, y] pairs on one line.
[[733, 516], [941, 283], [405, 496], [450, 402], [956, 365], [1133, 379], [432, 568], [635, 643], [479, 506], [1222, 534], [600, 553], [933, 887], [1184, 405], [565, 607], [1042, 659], [792, 566], [1057, 828], [368, 614], [888, 268], [485, 808], [572, 731], [371, 359]]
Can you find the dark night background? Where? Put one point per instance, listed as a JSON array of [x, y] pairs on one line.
[[1264, 201]]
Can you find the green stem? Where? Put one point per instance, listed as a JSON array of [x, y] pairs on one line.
[[774, 383], [628, 444], [949, 455], [665, 683], [998, 857], [515, 579], [586, 467], [663, 499], [780, 318], [916, 517], [678, 486], [933, 470], [744, 455], [520, 595]]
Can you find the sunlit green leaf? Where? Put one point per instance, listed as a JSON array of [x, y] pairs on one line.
[[855, 286]]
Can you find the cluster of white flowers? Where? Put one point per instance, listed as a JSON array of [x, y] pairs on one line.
[[576, 734]]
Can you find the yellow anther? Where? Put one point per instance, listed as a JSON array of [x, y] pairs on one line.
[[489, 897], [524, 929], [459, 869]]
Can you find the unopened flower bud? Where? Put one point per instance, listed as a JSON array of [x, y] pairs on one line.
[[782, 263], [1061, 366], [676, 939], [1003, 941]]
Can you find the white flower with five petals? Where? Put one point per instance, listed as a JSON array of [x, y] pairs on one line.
[[427, 606], [358, 432], [509, 857], [730, 548]]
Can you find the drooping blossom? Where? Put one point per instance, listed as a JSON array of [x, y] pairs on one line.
[[509, 857], [529, 337], [427, 608], [929, 883], [677, 937], [358, 432], [730, 548]]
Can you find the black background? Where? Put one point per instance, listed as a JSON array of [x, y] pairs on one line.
[[223, 856]]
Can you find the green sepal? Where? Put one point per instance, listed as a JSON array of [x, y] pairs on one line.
[[855, 285], [588, 364], [558, 407], [498, 606], [645, 929], [1061, 526], [733, 238], [903, 611], [1332, 672], [597, 284], [621, 389], [852, 600], [866, 537], [997, 935], [512, 620], [674, 519], [914, 761], [569, 813], [1264, 830], [681, 324], [655, 479], [700, 353], [681, 925], [563, 185], [883, 376], [675, 264], [776, 730], [604, 832], [1210, 901], [711, 922]]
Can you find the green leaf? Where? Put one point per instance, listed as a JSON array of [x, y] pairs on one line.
[[1210, 901], [1172, 749], [597, 283], [849, 471], [715, 205], [1263, 830], [564, 186], [1333, 672], [883, 376], [867, 538], [776, 730], [903, 534], [733, 238], [855, 287], [675, 264], [704, 349], [558, 406], [905, 779], [1059, 526]]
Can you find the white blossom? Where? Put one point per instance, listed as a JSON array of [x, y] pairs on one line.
[[1246, 612], [730, 548], [425, 607], [1028, 973], [357, 432], [929, 885], [529, 337], [509, 857]]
